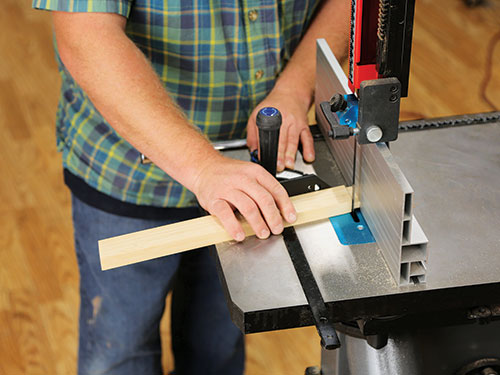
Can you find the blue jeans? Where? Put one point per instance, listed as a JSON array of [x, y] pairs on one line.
[[120, 309]]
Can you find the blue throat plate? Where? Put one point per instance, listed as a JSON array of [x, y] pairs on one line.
[[351, 232]]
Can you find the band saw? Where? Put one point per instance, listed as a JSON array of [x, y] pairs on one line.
[[420, 253]]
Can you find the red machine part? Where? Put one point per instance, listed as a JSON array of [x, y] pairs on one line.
[[363, 50]]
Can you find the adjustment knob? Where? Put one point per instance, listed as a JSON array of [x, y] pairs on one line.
[[338, 103]]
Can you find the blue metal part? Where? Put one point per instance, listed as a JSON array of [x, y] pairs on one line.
[[349, 116], [351, 232], [254, 156]]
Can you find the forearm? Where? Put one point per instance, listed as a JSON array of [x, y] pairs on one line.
[[331, 23], [127, 92]]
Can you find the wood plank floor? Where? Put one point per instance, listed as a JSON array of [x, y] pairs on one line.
[[38, 275]]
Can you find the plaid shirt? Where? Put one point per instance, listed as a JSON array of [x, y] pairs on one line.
[[217, 58]]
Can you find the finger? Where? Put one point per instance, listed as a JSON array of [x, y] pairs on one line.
[[247, 207], [252, 134], [307, 141], [291, 147], [281, 148], [279, 194], [265, 201], [225, 214]]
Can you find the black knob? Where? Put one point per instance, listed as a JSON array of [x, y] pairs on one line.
[[338, 103], [269, 124]]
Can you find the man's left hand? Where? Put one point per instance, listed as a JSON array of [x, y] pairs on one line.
[[294, 128]]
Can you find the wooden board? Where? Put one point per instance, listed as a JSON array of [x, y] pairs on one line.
[[207, 230]]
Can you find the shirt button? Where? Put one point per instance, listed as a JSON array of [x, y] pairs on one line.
[[259, 74], [253, 15]]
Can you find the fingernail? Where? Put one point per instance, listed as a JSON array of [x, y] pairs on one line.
[[240, 236], [280, 165], [309, 156], [278, 229], [264, 233], [292, 217], [289, 163]]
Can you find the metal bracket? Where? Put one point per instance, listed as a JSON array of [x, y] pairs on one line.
[[374, 117], [378, 117]]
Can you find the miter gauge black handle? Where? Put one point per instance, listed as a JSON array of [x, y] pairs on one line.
[[269, 123]]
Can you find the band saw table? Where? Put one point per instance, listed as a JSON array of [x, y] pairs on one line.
[[458, 204], [454, 173]]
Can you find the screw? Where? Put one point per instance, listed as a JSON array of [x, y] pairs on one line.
[[393, 98], [394, 88], [314, 187]]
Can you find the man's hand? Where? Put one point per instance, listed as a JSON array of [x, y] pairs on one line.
[[294, 128], [294, 89], [226, 184]]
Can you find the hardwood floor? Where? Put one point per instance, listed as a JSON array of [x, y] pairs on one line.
[[38, 275]]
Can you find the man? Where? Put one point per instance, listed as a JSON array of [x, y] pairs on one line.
[[137, 75]]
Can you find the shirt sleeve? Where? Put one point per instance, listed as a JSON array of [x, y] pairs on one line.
[[121, 7]]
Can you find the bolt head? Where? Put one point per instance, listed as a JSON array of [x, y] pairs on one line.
[[374, 134]]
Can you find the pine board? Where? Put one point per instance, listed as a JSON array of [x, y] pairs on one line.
[[207, 230]]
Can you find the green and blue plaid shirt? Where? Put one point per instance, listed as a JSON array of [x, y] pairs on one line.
[[217, 58]]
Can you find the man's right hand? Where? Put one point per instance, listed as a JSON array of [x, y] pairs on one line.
[[127, 92], [226, 184]]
